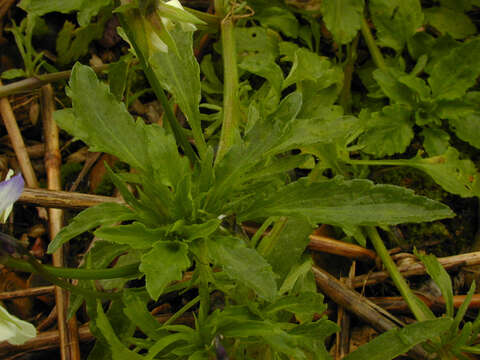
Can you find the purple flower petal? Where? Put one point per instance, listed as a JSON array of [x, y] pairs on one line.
[[10, 191]]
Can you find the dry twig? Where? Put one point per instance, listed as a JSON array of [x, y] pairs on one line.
[[69, 345]]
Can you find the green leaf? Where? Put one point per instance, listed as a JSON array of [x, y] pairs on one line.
[[308, 65], [72, 42], [343, 18], [279, 19], [103, 214], [86, 8], [124, 330], [441, 278], [289, 246], [456, 176], [117, 78], [179, 74], [304, 305], [396, 21], [13, 73], [448, 21], [398, 341], [136, 235], [467, 128], [117, 347], [163, 264], [101, 121], [387, 132], [396, 91], [244, 265], [136, 310], [456, 72], [435, 141], [349, 203]]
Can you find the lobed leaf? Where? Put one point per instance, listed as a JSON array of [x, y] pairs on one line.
[[387, 132], [343, 18], [163, 264], [396, 21], [456, 72]]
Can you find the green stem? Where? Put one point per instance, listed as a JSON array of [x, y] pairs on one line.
[[259, 233], [268, 242], [219, 8], [81, 274], [181, 311], [40, 269], [230, 99], [346, 96], [399, 162], [412, 301], [204, 275], [372, 46], [178, 132]]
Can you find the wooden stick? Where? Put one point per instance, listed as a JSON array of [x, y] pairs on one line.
[[69, 344], [343, 336], [396, 303], [366, 310], [38, 81], [63, 199], [407, 270], [18, 143], [331, 246], [36, 291]]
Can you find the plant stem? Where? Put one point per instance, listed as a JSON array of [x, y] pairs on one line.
[[345, 95], [181, 311], [372, 46], [204, 274], [399, 162], [82, 274], [230, 89], [268, 242], [412, 301]]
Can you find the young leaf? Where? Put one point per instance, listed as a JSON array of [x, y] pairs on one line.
[[435, 141], [245, 265], [387, 132], [343, 18], [441, 278], [456, 72], [163, 264], [103, 214], [398, 341], [136, 235], [350, 203], [396, 21], [179, 74]]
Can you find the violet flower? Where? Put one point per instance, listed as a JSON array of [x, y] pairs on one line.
[[12, 329]]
